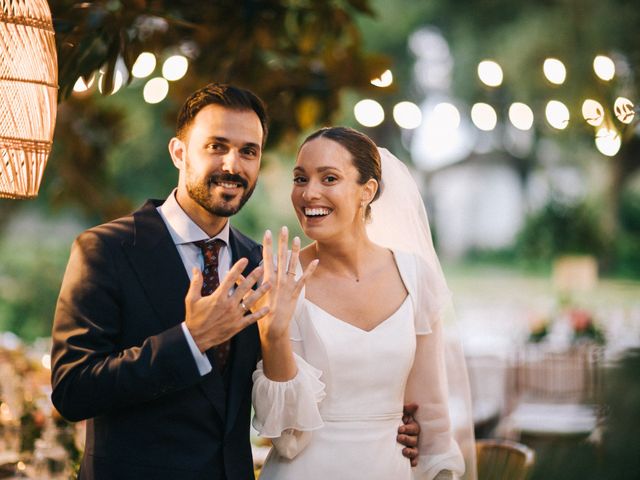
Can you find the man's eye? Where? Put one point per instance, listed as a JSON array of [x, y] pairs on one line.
[[250, 152], [216, 147]]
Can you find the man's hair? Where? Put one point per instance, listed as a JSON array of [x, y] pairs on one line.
[[228, 96]]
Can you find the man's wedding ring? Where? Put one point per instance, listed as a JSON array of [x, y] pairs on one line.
[[291, 273], [244, 307]]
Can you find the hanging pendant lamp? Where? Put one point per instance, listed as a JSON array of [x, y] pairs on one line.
[[28, 95]]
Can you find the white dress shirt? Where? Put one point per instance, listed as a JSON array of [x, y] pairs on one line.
[[184, 232]]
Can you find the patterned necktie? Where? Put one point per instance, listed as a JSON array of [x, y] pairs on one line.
[[210, 281]]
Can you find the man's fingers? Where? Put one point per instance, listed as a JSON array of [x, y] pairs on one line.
[[247, 283], [411, 454], [253, 317], [255, 295], [410, 428], [230, 278], [410, 409], [195, 287], [408, 440]]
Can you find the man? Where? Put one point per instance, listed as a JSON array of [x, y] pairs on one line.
[[160, 365]]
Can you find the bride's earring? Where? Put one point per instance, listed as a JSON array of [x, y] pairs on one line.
[[363, 207]]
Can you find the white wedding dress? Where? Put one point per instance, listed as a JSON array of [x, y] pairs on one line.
[[338, 418]]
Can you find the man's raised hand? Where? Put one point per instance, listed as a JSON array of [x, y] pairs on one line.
[[215, 318]]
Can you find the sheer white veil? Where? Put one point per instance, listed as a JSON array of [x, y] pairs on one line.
[[399, 221]]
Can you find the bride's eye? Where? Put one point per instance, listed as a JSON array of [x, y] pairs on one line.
[[330, 179], [299, 180]]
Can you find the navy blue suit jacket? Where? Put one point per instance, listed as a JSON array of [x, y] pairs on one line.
[[121, 361]]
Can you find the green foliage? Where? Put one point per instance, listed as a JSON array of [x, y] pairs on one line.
[[31, 426], [111, 152], [33, 256], [558, 229], [628, 241]]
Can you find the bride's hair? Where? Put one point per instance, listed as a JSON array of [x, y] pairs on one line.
[[364, 154]]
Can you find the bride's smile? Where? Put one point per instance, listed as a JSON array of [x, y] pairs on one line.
[[327, 195]]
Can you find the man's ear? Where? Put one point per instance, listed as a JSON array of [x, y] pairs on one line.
[[178, 151]]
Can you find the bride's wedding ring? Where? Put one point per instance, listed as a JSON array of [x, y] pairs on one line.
[[244, 307]]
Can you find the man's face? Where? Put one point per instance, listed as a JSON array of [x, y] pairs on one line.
[[219, 160]]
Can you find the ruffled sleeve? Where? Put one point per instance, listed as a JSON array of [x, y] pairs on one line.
[[429, 294], [287, 411], [427, 387], [427, 383]]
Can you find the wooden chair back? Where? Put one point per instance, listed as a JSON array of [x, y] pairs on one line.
[[503, 460]]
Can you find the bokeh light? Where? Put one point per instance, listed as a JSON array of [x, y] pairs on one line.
[[368, 113], [554, 70], [175, 67], [46, 361], [144, 65], [624, 110], [118, 81], [407, 115], [490, 73], [521, 116], [592, 112], [155, 90], [447, 115], [82, 86], [604, 67], [484, 116], [608, 141], [383, 80], [557, 114]]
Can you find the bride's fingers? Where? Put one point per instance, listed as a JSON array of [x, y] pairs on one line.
[[305, 275], [283, 242], [267, 255], [295, 255]]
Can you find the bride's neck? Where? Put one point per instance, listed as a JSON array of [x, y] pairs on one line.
[[344, 259]]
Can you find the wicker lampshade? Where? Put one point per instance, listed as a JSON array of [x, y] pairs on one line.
[[28, 95]]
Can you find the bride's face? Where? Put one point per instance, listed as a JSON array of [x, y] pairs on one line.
[[326, 194]]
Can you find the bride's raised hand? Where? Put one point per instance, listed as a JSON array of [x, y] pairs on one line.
[[285, 288]]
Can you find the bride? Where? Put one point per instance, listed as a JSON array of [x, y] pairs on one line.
[[355, 328]]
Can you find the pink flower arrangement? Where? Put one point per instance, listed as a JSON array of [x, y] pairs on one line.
[[584, 326]]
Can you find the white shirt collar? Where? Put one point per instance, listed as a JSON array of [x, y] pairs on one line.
[[181, 228]]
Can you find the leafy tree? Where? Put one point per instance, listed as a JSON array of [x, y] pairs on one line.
[[297, 55]]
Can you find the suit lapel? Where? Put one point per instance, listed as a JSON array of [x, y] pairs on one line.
[[246, 342], [157, 263]]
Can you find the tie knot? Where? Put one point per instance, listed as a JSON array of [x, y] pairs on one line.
[[210, 250]]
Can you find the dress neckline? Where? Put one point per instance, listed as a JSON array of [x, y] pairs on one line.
[[361, 330], [399, 266]]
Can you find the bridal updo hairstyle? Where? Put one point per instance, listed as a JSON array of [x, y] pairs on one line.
[[364, 154]]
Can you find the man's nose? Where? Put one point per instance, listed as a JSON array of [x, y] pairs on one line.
[[230, 162]]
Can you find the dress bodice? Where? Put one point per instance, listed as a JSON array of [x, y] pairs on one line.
[[365, 372], [339, 417]]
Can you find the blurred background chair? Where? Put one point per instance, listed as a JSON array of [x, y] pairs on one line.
[[488, 379], [553, 394], [503, 460]]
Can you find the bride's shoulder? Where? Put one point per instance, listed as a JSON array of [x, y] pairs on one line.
[[404, 258]]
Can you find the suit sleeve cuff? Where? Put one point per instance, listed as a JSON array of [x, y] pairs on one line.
[[202, 362]]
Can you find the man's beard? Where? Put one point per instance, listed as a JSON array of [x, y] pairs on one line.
[[200, 193]]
